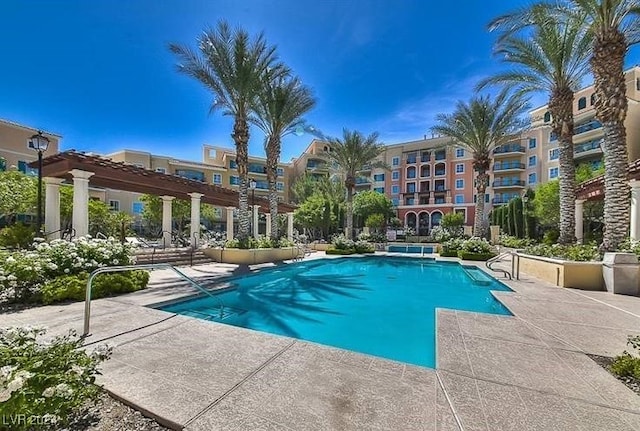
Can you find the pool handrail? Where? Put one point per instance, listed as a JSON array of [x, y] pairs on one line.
[[122, 268], [498, 258]]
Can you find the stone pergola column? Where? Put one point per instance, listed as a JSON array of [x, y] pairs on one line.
[[195, 218], [80, 218], [579, 222], [167, 225], [635, 210], [290, 226], [52, 206], [255, 219], [268, 221], [230, 222]]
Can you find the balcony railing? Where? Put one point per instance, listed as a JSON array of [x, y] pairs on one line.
[[441, 155], [360, 181], [508, 183], [425, 157], [508, 165], [439, 189], [511, 148], [587, 146], [583, 128], [316, 164], [412, 160]]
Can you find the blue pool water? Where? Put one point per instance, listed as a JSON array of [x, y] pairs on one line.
[[382, 306], [410, 249]]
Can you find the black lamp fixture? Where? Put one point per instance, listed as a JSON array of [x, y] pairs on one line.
[[39, 143]]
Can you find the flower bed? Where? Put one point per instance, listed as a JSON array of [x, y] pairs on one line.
[[467, 249], [24, 274]]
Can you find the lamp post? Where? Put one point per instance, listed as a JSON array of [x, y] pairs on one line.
[[525, 199], [39, 143], [252, 186]]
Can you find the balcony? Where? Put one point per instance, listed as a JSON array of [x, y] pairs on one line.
[[500, 200], [425, 157], [440, 189], [508, 149], [441, 155], [586, 127], [363, 181], [316, 164], [506, 182], [257, 169], [411, 160], [366, 168], [587, 149], [508, 166]]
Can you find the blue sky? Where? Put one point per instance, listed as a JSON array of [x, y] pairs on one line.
[[99, 72]]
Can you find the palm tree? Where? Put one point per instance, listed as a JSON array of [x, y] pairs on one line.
[[552, 58], [481, 125], [281, 104], [231, 65], [614, 25], [350, 154]]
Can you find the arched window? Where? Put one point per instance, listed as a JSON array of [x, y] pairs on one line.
[[425, 171], [547, 117], [423, 227], [411, 220], [436, 216], [411, 172], [582, 103], [440, 169]]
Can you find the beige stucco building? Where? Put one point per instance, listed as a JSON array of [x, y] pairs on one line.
[[14, 152]]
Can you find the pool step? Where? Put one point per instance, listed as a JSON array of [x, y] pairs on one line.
[[476, 275], [214, 313]]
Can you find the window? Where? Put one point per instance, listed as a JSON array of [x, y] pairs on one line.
[[553, 173], [582, 103], [411, 172], [638, 84], [280, 186], [425, 170], [459, 199], [217, 179], [460, 168], [137, 207], [234, 180], [486, 198], [395, 175], [114, 205], [395, 189], [409, 201], [411, 187], [232, 164], [532, 143], [395, 202], [395, 161], [161, 170], [440, 169], [593, 99], [441, 155], [25, 169], [412, 158], [280, 172], [459, 152], [190, 174], [554, 154], [533, 160], [532, 179], [459, 184], [378, 177], [379, 190], [547, 117]]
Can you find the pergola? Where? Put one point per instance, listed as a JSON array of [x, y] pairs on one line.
[[81, 169], [593, 189]]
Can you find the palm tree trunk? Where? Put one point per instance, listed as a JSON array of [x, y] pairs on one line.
[[607, 63], [349, 212], [561, 108], [481, 187], [273, 154], [241, 138]]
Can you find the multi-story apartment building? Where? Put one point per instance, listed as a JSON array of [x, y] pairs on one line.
[[312, 161], [14, 150]]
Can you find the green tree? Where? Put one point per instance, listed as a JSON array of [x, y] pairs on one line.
[[282, 102], [152, 211], [18, 194], [549, 56], [350, 154], [312, 214], [375, 222], [481, 125], [546, 204], [302, 187], [370, 202], [232, 66]]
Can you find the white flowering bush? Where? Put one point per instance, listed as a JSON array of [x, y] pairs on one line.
[[476, 245], [46, 381], [341, 245], [23, 273], [340, 242]]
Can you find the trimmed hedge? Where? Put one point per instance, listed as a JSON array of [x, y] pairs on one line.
[[347, 252], [448, 253], [475, 256], [73, 287]]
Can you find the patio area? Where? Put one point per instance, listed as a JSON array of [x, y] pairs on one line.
[[523, 372]]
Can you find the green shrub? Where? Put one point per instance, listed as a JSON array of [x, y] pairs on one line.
[[513, 242], [73, 287], [577, 252], [551, 236], [333, 250], [628, 365], [49, 382], [16, 236], [465, 255]]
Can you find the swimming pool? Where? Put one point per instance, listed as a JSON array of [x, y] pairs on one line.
[[411, 248], [378, 305]]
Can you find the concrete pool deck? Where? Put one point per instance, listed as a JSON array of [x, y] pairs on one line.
[[521, 372]]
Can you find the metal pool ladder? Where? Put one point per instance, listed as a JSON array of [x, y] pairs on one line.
[[489, 264], [87, 302]]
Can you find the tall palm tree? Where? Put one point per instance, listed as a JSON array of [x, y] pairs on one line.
[[615, 26], [231, 65], [480, 126], [350, 154], [553, 58], [282, 102]]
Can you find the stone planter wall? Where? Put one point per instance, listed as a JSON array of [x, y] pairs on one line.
[[562, 273], [319, 246], [251, 256]]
